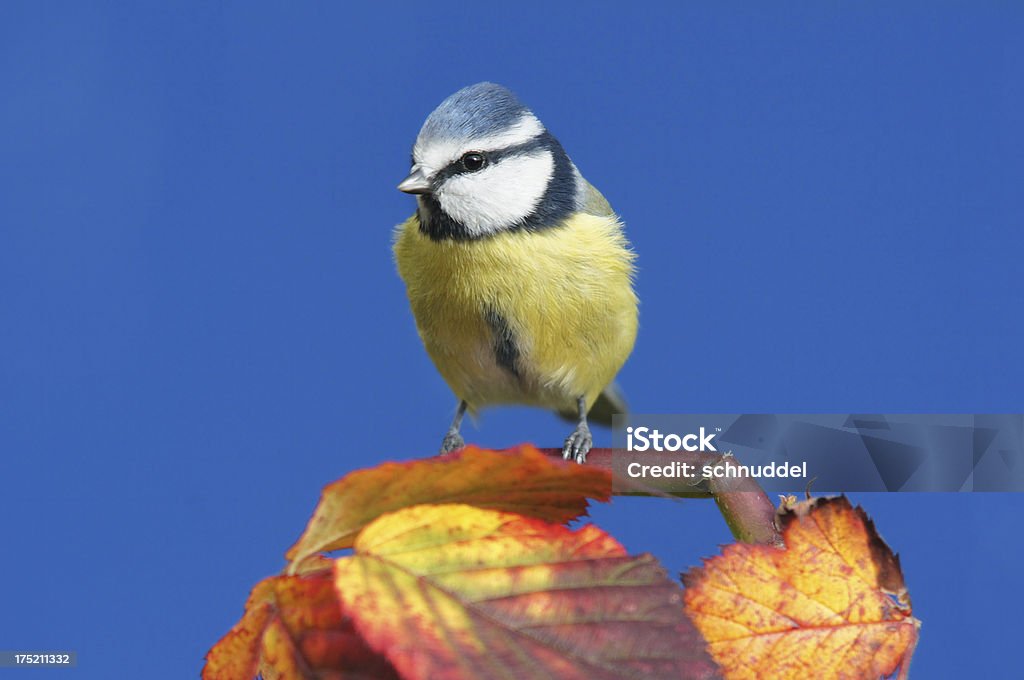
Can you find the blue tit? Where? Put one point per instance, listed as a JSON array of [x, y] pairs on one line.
[[517, 270]]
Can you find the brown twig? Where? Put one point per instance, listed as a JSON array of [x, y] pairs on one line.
[[747, 510]]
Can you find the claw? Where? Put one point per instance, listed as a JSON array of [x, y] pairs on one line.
[[452, 442], [578, 444]]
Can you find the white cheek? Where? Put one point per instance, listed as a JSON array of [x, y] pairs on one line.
[[500, 195]]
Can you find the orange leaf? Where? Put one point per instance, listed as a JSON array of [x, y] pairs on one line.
[[832, 604], [455, 591], [294, 627], [522, 480], [236, 655]]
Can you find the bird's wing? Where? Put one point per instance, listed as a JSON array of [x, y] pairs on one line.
[[594, 203]]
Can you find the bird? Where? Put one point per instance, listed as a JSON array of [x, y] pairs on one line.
[[517, 270]]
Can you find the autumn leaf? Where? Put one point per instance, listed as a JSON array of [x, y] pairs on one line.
[[832, 604], [295, 627], [521, 480], [456, 591]]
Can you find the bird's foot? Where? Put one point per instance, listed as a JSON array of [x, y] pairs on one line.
[[577, 445], [452, 442]]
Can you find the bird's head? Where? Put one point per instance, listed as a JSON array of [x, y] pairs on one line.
[[483, 163]]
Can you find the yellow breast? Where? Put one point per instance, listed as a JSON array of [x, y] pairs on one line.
[[563, 295]]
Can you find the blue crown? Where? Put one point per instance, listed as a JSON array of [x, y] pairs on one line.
[[475, 111]]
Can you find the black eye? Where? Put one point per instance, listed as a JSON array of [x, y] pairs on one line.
[[473, 161]]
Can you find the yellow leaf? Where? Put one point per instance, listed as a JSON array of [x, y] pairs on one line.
[[832, 604], [521, 480], [455, 591]]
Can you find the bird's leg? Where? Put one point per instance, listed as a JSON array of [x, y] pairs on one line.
[[453, 440], [577, 445]]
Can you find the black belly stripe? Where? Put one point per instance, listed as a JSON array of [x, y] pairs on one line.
[[506, 352]]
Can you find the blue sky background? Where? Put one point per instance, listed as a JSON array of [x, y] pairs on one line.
[[200, 322]]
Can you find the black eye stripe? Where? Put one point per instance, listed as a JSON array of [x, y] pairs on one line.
[[456, 167]]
